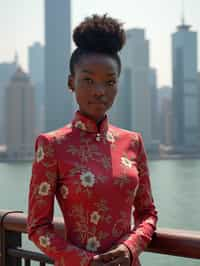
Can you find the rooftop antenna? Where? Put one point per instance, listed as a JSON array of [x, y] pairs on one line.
[[183, 13], [183, 26]]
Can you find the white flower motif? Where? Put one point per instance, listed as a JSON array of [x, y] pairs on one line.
[[64, 191], [44, 189], [44, 241], [110, 137], [150, 220], [80, 124], [93, 244], [125, 161], [94, 217], [87, 179], [69, 125], [39, 154]]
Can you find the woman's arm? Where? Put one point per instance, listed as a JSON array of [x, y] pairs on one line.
[[145, 214], [41, 204]]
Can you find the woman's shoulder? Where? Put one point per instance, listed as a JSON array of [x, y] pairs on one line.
[[129, 135], [56, 135], [123, 131]]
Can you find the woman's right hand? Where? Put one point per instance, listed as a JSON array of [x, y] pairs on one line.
[[96, 261]]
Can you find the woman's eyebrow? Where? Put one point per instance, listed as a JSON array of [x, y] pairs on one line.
[[87, 71], [92, 73], [111, 74]]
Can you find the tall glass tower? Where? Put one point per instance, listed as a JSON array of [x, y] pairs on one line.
[[58, 100], [133, 105], [186, 128]]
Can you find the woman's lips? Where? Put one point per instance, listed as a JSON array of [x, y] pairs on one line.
[[97, 103]]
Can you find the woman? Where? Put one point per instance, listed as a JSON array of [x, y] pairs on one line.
[[97, 172]]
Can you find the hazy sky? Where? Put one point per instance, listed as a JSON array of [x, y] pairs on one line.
[[22, 23]]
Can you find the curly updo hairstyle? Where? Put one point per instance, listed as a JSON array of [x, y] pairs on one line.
[[98, 34]]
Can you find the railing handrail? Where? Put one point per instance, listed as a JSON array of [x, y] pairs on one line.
[[176, 242]]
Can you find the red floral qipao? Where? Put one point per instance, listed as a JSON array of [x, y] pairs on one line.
[[98, 177]]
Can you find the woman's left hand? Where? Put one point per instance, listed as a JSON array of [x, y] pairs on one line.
[[118, 255]]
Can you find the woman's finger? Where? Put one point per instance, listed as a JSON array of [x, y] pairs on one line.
[[119, 261], [107, 256]]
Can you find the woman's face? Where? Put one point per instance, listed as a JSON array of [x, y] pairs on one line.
[[95, 84]]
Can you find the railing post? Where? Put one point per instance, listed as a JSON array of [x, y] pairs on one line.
[[12, 240], [2, 246], [8, 239]]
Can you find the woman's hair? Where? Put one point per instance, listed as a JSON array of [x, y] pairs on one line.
[[98, 34]]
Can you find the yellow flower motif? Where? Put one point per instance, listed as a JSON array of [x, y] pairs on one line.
[[92, 244], [64, 191], [44, 189], [87, 179], [126, 162], [110, 137], [80, 124], [94, 217], [44, 241], [39, 154]]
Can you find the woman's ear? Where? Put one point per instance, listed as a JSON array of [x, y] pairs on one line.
[[71, 82]]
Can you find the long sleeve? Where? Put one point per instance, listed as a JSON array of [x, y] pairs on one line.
[[145, 214], [40, 209]]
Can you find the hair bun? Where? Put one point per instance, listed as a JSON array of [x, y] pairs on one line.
[[99, 34]]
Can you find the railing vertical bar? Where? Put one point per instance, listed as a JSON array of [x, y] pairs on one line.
[[42, 264], [2, 246], [27, 262]]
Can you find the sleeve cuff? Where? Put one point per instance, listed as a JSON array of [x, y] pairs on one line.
[[130, 244]]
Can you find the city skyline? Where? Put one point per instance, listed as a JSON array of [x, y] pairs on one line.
[[23, 24]]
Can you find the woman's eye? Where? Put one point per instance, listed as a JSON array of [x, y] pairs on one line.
[[88, 80], [111, 82]]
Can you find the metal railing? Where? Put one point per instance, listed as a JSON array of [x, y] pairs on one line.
[[174, 242]]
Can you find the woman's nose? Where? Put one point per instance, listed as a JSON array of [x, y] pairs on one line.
[[99, 89]]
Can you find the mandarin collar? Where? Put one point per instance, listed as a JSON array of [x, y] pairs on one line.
[[87, 124]]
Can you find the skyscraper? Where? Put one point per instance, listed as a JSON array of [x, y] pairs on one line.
[[186, 128], [58, 100], [165, 114], [36, 71], [154, 104], [133, 104], [120, 113], [36, 62], [198, 85], [20, 117], [6, 71]]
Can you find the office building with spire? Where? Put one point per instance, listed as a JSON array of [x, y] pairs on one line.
[[58, 100], [185, 94]]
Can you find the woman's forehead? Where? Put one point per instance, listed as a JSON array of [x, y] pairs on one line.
[[97, 62]]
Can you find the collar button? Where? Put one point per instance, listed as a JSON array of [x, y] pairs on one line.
[[98, 137]]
